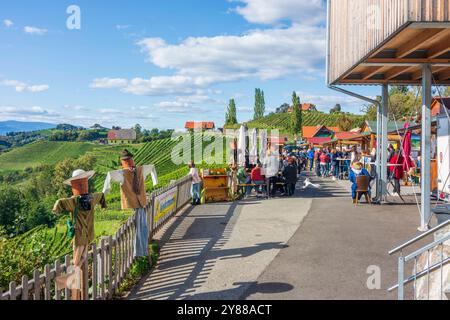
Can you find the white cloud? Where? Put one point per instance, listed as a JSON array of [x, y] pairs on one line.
[[273, 11], [122, 26], [33, 113], [23, 87], [108, 83], [8, 23], [201, 62], [264, 54], [34, 30]]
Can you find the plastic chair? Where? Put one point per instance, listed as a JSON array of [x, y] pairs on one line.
[[362, 188]]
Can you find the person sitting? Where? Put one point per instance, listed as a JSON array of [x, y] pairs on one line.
[[241, 178], [257, 178], [290, 176], [357, 170]]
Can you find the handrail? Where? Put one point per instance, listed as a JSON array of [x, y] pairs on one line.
[[419, 237], [421, 273]]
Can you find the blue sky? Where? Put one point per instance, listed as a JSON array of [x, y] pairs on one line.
[[160, 63]]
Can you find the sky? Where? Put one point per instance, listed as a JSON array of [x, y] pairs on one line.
[[160, 63]]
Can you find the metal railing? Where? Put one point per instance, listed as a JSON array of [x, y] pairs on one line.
[[108, 263], [424, 277]]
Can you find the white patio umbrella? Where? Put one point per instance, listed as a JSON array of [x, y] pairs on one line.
[[262, 144], [253, 146], [242, 145]]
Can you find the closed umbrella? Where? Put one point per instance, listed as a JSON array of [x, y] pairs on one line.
[[262, 144], [253, 146], [242, 146], [407, 146]]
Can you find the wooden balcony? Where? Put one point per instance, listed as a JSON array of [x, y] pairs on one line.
[[386, 41]]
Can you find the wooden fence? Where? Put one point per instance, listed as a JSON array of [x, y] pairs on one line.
[[108, 262]]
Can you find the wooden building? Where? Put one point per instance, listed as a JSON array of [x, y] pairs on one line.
[[386, 41], [391, 42], [123, 136]]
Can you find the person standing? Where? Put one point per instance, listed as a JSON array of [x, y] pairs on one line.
[[196, 184], [324, 161], [290, 177], [317, 161], [310, 154]]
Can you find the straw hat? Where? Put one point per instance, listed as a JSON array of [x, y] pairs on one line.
[[79, 174], [125, 155], [357, 166]]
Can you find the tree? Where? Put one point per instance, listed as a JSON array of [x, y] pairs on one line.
[[297, 116], [260, 104], [336, 109], [402, 104], [11, 204], [138, 129], [231, 117], [345, 123], [283, 108]]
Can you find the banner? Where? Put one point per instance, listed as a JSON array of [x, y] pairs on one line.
[[166, 204]]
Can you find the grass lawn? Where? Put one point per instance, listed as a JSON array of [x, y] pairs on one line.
[[43, 152]]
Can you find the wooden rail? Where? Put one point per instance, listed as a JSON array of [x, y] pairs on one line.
[[358, 27], [108, 263]]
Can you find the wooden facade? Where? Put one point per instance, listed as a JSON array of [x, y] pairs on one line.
[[386, 41]]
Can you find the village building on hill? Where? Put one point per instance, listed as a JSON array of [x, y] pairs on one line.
[[207, 126], [122, 136], [306, 107]]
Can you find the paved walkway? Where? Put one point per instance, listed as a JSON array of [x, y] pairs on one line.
[[317, 245]]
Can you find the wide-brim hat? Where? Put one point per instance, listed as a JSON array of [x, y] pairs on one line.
[[357, 165], [125, 155], [79, 174]]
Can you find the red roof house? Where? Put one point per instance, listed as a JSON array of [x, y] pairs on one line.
[[191, 125]]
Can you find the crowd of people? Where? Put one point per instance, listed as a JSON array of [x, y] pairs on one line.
[[279, 173]]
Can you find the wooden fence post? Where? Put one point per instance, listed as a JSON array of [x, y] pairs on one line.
[[94, 271], [110, 273], [67, 292], [102, 269], [12, 291], [57, 274], [24, 287], [47, 280], [37, 285]]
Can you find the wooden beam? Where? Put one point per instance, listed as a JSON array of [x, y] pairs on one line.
[[396, 71], [392, 82], [407, 61], [440, 48], [419, 42], [370, 72], [418, 74], [444, 75]]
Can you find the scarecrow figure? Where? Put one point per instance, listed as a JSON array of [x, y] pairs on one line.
[[80, 227], [134, 196]]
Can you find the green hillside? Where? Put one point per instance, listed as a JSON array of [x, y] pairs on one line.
[[42, 152], [281, 121]]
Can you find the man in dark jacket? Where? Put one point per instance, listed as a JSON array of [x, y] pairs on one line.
[[290, 176]]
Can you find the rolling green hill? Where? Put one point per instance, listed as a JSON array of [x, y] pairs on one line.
[[42, 152], [281, 121]]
